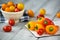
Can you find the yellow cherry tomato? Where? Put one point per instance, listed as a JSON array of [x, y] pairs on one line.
[[39, 26], [12, 8], [20, 6], [42, 11]]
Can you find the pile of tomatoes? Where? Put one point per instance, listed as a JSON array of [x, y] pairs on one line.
[[43, 25], [11, 7]]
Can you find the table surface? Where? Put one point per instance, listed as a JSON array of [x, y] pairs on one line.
[[19, 31]]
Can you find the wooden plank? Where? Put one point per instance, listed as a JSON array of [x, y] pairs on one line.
[[24, 34], [9, 35]]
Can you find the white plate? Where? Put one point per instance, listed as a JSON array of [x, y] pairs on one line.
[[44, 35]]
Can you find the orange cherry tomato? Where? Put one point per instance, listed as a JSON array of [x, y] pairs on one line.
[[51, 29], [10, 3], [7, 9], [40, 20], [4, 6], [30, 13]]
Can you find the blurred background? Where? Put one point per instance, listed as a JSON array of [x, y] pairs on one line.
[[51, 6]]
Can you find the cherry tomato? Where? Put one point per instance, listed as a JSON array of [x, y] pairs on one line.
[[51, 29], [40, 20], [7, 28], [16, 10], [12, 22], [47, 21], [40, 31], [40, 16]]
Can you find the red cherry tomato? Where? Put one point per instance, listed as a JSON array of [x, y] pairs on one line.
[[51, 22], [47, 21], [12, 22], [40, 31], [16, 9], [7, 28], [40, 16]]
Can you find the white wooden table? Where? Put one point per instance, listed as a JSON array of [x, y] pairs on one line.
[[19, 31]]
